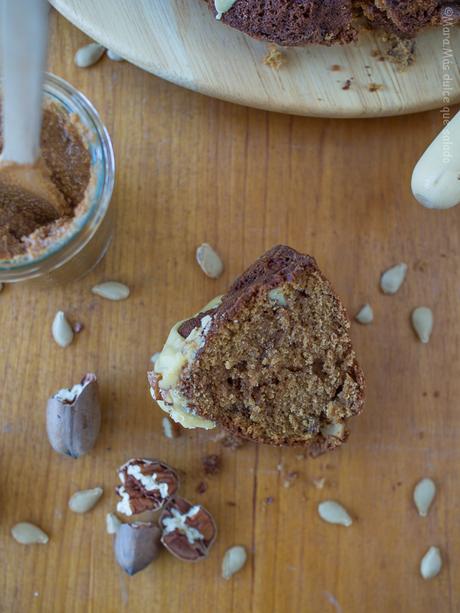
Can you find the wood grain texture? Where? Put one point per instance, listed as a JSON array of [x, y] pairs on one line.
[[181, 41], [193, 169]]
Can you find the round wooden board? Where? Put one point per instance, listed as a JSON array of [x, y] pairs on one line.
[[179, 40]]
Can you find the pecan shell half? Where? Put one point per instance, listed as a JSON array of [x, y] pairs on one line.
[[136, 546]]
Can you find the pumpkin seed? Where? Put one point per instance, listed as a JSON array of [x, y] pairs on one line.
[[112, 290], [170, 429], [222, 6], [392, 279], [233, 561], [334, 513], [422, 322], [336, 430], [209, 261], [112, 523], [114, 56], [29, 534], [365, 314], [89, 55], [61, 330], [85, 500], [424, 493], [431, 563], [277, 297]]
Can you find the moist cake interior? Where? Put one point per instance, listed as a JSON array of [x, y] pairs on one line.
[[281, 369]]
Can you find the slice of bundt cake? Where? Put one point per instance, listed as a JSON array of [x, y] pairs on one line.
[[270, 361], [327, 22], [289, 23]]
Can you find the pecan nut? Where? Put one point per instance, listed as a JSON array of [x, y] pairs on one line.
[[188, 531], [154, 381], [146, 485], [73, 418], [156, 391], [136, 546]]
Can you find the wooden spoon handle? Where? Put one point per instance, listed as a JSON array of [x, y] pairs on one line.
[[24, 46], [436, 177]]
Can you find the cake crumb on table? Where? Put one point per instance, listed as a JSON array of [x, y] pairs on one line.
[[231, 441], [211, 464], [290, 478], [375, 87], [201, 487], [319, 483]]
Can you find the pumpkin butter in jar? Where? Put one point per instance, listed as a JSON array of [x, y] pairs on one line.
[[57, 235]]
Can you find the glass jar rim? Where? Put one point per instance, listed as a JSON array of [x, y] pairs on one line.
[[68, 96]]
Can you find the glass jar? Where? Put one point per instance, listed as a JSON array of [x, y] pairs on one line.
[[88, 238]]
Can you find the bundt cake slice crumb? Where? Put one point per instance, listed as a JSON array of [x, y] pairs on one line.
[[272, 360]]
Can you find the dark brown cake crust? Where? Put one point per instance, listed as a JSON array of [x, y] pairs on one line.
[[327, 22], [278, 266]]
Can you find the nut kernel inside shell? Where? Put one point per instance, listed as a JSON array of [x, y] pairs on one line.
[[188, 531], [146, 485]]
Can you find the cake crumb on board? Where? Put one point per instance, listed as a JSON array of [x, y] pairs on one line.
[[375, 87], [274, 58], [401, 52]]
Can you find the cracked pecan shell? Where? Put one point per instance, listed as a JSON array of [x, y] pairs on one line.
[[146, 485], [188, 531]]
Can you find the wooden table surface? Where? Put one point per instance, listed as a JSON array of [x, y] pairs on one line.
[[193, 169]]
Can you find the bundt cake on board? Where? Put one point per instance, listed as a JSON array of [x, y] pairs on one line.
[[327, 22]]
